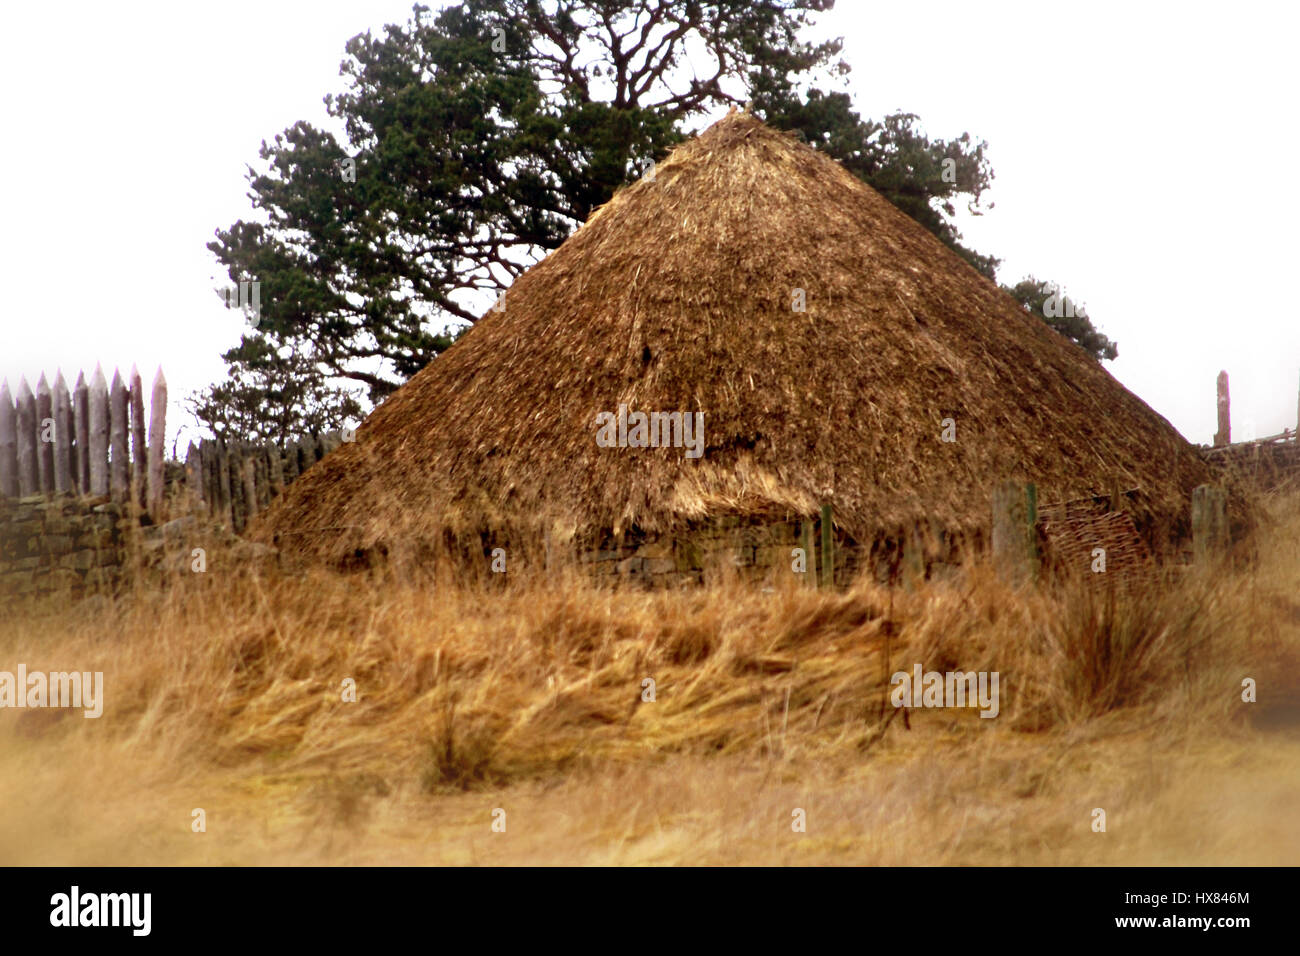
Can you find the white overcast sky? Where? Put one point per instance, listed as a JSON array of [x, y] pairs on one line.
[[1144, 154]]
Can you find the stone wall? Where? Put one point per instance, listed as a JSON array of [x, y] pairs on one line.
[[59, 543], [757, 552], [63, 545], [762, 552]]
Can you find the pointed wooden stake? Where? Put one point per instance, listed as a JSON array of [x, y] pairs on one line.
[[119, 430], [29, 475], [193, 476], [1224, 435], [139, 453], [45, 435], [157, 439], [98, 402], [81, 432], [8, 444], [63, 451]]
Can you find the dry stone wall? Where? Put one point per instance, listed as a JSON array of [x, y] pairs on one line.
[[65, 542], [761, 552], [60, 544]]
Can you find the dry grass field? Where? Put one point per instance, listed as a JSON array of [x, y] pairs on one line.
[[224, 691]]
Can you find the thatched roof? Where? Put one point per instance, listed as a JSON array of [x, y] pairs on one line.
[[677, 295]]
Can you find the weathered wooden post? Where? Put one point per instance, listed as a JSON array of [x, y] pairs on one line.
[[220, 503], [8, 443], [45, 435], [119, 430], [193, 478], [81, 426], [250, 484], [211, 485], [207, 492], [806, 541], [1209, 522], [275, 469], [98, 401], [63, 451], [225, 503], [307, 448], [157, 443], [29, 476], [290, 462], [238, 504], [202, 477], [212, 462], [1224, 435], [1015, 530], [139, 450], [262, 477], [827, 562]]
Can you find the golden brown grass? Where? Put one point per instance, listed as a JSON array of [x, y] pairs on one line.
[[224, 692]]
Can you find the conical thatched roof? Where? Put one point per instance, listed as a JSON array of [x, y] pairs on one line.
[[678, 295]]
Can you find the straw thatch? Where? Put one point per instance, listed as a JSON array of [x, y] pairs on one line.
[[678, 295]]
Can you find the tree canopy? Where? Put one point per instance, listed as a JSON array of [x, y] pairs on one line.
[[1048, 301], [470, 142]]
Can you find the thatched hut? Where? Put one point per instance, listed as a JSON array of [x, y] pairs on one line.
[[834, 347]]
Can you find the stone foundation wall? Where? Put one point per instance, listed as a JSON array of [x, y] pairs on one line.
[[761, 553], [71, 546], [60, 544], [754, 553]]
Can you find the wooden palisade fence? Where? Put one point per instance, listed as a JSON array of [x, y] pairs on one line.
[[1266, 462], [235, 480], [91, 441], [81, 442]]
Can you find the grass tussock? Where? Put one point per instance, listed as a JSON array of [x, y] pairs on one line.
[[232, 688]]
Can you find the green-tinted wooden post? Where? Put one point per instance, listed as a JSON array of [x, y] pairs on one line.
[[1015, 530], [1209, 522], [827, 562]]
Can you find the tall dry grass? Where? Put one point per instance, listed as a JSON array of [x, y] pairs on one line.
[[225, 691]]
